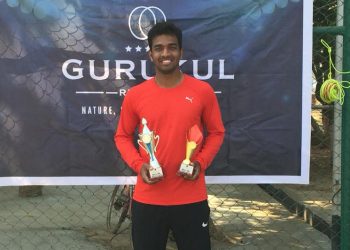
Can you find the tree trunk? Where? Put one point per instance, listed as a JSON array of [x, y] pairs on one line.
[[30, 191]]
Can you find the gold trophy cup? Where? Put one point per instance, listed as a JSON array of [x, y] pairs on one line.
[[194, 138]]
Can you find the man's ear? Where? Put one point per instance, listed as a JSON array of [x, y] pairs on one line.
[[150, 55]]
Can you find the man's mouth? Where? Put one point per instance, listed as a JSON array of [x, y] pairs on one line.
[[166, 62]]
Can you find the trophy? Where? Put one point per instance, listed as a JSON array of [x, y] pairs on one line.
[[147, 142], [194, 138]]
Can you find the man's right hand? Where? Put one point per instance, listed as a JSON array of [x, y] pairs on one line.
[[145, 175]]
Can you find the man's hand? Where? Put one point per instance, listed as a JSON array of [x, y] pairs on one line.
[[195, 173], [144, 172]]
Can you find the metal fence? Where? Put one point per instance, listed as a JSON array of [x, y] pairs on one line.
[[245, 216]]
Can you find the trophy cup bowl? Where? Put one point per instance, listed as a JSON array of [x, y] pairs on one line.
[[194, 138]]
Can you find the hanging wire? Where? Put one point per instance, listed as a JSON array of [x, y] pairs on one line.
[[332, 90]]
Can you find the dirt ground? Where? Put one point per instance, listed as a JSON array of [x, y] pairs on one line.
[[245, 216], [318, 195]]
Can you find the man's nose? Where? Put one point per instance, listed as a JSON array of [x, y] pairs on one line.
[[165, 52]]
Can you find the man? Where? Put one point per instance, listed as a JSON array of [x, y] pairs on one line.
[[171, 103]]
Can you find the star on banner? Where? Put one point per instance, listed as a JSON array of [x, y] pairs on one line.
[[138, 49], [128, 48]]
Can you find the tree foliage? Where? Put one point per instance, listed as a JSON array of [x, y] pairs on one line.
[[325, 14]]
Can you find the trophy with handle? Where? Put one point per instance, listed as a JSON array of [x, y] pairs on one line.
[[194, 138], [147, 142]]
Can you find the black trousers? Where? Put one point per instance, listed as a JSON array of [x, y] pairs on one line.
[[189, 223]]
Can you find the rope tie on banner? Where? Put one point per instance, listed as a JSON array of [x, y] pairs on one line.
[[331, 89]]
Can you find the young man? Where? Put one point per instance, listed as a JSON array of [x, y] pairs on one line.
[[171, 103]]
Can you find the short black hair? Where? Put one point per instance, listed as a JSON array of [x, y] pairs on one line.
[[164, 28]]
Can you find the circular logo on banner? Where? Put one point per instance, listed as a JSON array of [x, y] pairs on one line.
[[142, 19]]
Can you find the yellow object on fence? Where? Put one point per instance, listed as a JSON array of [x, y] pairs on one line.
[[331, 89]]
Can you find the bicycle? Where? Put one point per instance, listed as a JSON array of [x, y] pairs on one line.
[[119, 208]]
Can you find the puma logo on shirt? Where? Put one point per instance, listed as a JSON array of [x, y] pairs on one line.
[[190, 99]]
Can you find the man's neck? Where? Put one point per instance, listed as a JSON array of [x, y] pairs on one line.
[[168, 80]]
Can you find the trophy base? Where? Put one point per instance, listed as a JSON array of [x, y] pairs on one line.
[[186, 168], [155, 172]]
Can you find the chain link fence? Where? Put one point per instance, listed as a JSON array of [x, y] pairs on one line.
[[245, 216]]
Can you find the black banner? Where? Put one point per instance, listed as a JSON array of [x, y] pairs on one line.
[[66, 65]]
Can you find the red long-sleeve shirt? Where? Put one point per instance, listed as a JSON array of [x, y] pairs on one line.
[[170, 113]]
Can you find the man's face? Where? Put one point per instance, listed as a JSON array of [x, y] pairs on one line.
[[165, 53]]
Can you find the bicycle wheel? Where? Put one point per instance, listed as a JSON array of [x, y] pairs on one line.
[[117, 209]]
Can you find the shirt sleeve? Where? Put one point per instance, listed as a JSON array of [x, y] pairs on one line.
[[124, 136], [214, 127]]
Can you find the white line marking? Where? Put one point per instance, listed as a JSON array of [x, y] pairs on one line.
[[89, 92]]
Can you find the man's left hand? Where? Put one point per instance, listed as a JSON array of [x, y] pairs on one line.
[[195, 173]]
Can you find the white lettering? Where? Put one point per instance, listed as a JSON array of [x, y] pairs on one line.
[[97, 110], [127, 67], [122, 92], [208, 75], [222, 71], [144, 69], [182, 62], [105, 67], [127, 71], [75, 70]]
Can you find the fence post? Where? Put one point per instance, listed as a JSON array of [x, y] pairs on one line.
[[345, 169]]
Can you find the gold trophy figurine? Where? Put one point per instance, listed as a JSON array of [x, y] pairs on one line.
[[147, 142], [194, 138]]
